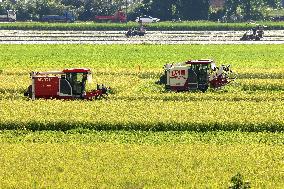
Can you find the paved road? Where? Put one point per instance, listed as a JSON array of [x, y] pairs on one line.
[[118, 37]]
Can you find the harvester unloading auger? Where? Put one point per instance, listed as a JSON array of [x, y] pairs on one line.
[[196, 75]]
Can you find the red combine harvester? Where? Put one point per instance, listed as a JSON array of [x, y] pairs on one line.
[[66, 84], [196, 75], [119, 16]]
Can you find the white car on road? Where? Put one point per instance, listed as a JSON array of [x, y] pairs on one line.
[[147, 19]]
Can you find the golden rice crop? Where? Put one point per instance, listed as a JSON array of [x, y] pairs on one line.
[[87, 148], [112, 165], [253, 102], [142, 115]]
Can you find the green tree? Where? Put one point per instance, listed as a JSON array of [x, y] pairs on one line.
[[25, 10], [88, 10], [162, 9], [194, 9], [244, 9], [172, 9], [273, 3], [7, 5], [252, 9]]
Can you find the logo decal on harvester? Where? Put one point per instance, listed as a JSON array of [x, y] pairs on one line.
[[44, 79], [178, 74]]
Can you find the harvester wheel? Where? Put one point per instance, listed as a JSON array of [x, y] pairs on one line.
[[94, 98], [28, 93], [163, 79], [203, 89], [257, 38]]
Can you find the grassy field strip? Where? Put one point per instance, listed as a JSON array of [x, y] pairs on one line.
[[177, 26], [139, 159], [105, 165], [162, 115], [86, 136], [7, 72], [249, 58]]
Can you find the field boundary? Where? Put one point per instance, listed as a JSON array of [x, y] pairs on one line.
[[162, 26]]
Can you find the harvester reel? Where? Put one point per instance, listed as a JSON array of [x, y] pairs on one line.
[[102, 91], [221, 77]]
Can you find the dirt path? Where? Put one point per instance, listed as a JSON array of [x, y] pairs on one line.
[[118, 37]]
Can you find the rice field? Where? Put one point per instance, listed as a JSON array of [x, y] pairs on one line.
[[121, 159], [143, 136]]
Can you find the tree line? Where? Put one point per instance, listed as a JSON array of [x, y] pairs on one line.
[[164, 9]]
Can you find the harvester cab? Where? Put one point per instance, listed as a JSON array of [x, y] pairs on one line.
[[66, 84], [195, 75]]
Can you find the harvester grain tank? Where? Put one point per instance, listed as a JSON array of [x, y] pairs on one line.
[[9, 17], [66, 84], [196, 75]]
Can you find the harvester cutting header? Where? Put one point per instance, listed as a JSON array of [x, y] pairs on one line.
[[196, 75], [66, 84]]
